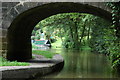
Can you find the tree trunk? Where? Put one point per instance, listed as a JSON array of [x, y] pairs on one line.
[[75, 32], [83, 31], [71, 33], [61, 34], [88, 33]]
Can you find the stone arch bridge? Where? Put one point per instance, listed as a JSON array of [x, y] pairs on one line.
[[18, 20]]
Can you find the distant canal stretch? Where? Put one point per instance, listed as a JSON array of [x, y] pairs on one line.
[[82, 64]]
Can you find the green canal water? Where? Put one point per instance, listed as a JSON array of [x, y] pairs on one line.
[[82, 64]]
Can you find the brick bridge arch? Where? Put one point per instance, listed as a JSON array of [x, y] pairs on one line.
[[19, 32]]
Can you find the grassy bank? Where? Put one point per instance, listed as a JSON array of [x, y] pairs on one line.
[[4, 62], [46, 54], [57, 44]]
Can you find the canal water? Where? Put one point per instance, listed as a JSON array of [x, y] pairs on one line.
[[82, 64]]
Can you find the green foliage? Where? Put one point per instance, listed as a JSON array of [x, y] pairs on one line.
[[115, 46], [76, 30], [104, 38], [4, 62], [115, 54], [100, 35], [57, 44], [46, 54], [70, 26]]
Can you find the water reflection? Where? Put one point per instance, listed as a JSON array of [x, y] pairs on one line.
[[83, 64]]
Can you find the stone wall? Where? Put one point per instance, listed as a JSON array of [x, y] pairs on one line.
[[9, 11]]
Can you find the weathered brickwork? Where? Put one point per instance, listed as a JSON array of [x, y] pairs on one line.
[[8, 12]]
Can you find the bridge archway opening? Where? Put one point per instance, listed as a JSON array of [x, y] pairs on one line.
[[19, 32]]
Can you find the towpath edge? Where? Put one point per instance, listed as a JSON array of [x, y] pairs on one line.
[[39, 67]]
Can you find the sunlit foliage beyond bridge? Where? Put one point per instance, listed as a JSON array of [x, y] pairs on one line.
[[76, 30]]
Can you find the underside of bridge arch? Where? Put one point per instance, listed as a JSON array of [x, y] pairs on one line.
[[19, 32]]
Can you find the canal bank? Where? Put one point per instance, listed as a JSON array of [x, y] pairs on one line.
[[37, 67]]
